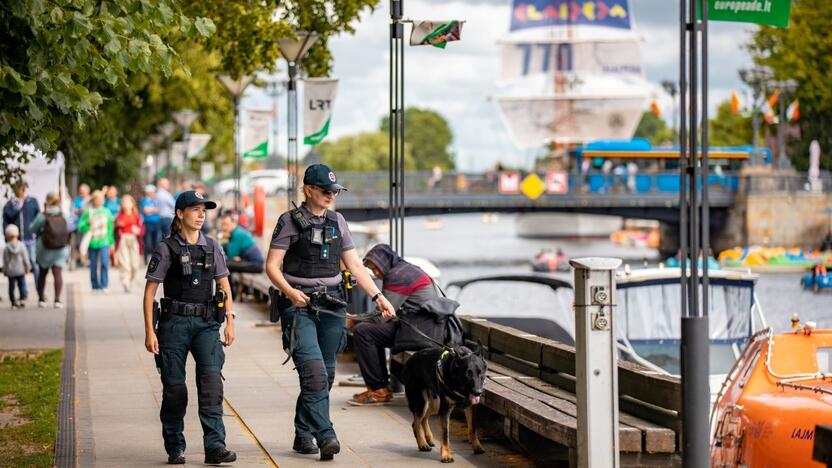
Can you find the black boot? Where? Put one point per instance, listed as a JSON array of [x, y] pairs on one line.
[[304, 445], [176, 458], [220, 455], [329, 448]]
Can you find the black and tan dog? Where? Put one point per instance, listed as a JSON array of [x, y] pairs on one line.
[[437, 380]]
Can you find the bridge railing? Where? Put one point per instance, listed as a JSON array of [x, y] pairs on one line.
[[786, 183], [363, 184]]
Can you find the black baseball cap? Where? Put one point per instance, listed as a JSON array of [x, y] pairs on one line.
[[322, 176], [191, 198]]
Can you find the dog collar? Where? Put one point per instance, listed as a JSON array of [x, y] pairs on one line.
[[440, 378]]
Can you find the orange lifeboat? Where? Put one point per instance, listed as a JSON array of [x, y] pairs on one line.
[[777, 392]]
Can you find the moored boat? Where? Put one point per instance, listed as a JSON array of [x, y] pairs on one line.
[[773, 398]]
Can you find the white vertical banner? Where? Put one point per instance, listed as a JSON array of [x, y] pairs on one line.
[[318, 98], [196, 143], [256, 130], [206, 170]]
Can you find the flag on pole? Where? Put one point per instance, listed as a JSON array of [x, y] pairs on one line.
[[319, 95], [256, 126], [793, 111], [435, 33], [768, 106], [735, 102], [654, 107]]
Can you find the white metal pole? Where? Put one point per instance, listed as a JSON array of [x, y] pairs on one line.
[[596, 362]]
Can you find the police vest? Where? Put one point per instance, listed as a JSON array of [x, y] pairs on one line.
[[194, 286], [317, 251]]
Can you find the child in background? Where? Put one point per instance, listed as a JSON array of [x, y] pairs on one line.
[[16, 265]]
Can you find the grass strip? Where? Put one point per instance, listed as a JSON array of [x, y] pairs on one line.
[[29, 397]]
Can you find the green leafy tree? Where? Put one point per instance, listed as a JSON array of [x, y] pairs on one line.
[[728, 128], [108, 150], [59, 61], [364, 152], [429, 137], [94, 78], [653, 129], [803, 52], [247, 32]]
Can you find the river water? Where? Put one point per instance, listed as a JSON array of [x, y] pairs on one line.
[[463, 246]]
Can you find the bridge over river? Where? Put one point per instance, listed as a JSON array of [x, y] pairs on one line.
[[749, 207]]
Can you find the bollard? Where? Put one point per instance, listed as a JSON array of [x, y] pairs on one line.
[[596, 362]]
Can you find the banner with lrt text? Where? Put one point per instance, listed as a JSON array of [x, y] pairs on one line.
[[319, 96], [771, 12], [256, 126], [541, 13]]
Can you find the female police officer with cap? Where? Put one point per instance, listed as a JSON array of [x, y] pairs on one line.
[[188, 264], [307, 247]]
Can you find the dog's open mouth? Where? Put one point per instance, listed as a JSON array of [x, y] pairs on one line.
[[475, 399]]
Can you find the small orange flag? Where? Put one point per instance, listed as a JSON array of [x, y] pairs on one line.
[[768, 107], [735, 103], [654, 106], [793, 111]]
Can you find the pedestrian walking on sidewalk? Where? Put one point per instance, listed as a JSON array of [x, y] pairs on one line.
[[128, 230], [21, 210], [150, 218], [15, 266], [52, 250], [308, 244], [98, 221], [188, 264]]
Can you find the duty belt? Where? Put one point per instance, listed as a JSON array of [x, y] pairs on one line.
[[187, 309], [311, 289]]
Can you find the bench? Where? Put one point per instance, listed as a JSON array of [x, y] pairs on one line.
[[531, 383], [256, 284]]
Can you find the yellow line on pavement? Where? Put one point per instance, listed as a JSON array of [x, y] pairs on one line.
[[251, 434]]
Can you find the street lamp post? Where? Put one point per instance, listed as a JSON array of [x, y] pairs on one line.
[[293, 50], [671, 89], [756, 78], [185, 118], [236, 87], [166, 130], [787, 88]]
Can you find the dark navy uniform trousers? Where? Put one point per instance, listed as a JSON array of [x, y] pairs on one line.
[[177, 336], [317, 340]]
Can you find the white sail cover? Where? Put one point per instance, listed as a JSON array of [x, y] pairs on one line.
[[571, 72]]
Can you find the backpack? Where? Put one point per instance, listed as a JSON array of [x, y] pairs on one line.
[[436, 319], [55, 234]]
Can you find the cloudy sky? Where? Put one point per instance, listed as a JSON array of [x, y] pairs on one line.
[[459, 81]]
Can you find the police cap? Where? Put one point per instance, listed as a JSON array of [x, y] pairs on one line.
[[191, 198], [322, 176]]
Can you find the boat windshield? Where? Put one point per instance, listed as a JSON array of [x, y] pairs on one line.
[[648, 318]]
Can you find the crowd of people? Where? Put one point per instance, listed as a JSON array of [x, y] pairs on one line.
[[102, 228]]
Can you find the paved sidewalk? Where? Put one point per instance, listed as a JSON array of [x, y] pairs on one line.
[[120, 393], [32, 327]]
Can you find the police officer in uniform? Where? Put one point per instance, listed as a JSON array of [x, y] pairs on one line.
[[307, 247], [188, 264]]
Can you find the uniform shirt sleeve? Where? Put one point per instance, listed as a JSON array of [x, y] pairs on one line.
[[346, 237], [159, 263], [284, 232], [220, 269]]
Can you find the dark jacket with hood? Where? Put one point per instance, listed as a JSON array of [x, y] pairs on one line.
[[404, 284], [27, 210]]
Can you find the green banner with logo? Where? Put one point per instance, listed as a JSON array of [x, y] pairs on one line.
[[771, 12]]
